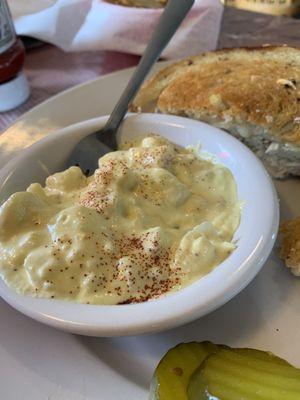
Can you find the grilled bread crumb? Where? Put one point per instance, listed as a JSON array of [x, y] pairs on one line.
[[140, 3], [290, 246]]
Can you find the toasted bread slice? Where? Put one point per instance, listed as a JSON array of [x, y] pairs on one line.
[[290, 246], [140, 3], [252, 93]]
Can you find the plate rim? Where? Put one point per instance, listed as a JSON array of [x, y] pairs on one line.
[[158, 65]]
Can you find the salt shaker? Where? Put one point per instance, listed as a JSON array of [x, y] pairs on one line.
[[14, 89]]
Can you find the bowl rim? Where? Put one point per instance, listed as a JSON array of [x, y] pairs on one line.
[[176, 308]]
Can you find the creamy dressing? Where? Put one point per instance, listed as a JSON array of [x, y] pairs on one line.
[[152, 219]]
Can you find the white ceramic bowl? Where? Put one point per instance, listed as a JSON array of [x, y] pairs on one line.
[[255, 235]]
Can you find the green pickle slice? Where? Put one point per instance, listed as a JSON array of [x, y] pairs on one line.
[[173, 373], [244, 374]]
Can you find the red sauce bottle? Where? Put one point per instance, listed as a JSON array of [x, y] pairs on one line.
[[14, 89]]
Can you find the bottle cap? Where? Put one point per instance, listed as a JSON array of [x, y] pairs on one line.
[[14, 92]]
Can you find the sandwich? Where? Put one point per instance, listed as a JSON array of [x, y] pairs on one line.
[[252, 93]]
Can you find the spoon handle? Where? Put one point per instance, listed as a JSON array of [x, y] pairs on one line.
[[173, 15]]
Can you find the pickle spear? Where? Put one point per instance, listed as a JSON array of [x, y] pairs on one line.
[[172, 374], [244, 374]]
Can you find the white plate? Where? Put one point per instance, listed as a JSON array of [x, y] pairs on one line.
[[40, 363]]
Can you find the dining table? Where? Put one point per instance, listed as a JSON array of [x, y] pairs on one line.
[[38, 362], [50, 70]]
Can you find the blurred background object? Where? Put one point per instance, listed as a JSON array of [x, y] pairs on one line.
[[140, 3], [14, 88], [242, 28], [51, 70], [275, 7], [115, 25]]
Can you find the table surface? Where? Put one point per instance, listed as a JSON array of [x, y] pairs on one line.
[[41, 363], [51, 71]]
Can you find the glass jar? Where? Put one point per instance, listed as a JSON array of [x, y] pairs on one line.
[[14, 89]]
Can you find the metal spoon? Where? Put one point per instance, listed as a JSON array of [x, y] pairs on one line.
[[87, 152]]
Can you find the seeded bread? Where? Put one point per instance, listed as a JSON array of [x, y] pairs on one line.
[[290, 246], [252, 93], [140, 3]]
